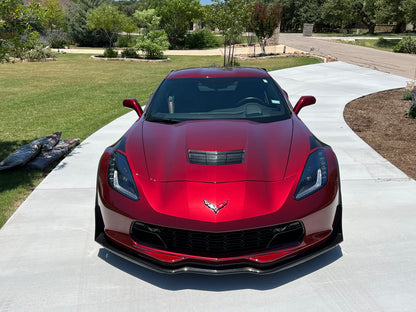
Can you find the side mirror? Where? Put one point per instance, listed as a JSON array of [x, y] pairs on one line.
[[304, 101], [133, 104]]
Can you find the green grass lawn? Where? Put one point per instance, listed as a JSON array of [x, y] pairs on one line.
[[363, 35], [386, 45], [77, 95]]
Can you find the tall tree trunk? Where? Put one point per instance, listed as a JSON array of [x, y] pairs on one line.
[[225, 50], [232, 55], [229, 49], [371, 28]]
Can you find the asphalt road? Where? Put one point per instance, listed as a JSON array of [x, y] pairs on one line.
[[393, 63]]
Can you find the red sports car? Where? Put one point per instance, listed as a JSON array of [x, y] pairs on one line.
[[218, 176]]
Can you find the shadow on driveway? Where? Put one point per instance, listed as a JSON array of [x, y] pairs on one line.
[[221, 282]]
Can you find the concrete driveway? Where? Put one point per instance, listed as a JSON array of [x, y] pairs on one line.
[[50, 262], [394, 63]]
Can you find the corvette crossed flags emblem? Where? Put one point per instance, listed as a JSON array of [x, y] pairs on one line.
[[215, 208]]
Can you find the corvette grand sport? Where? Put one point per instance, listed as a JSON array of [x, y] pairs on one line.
[[218, 175]]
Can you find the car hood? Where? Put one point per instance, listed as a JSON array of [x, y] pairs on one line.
[[264, 150]]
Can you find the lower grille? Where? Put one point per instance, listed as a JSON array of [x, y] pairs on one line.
[[222, 244]]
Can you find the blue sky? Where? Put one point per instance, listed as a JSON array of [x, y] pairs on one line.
[[203, 2]]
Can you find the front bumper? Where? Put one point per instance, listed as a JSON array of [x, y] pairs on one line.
[[232, 267]]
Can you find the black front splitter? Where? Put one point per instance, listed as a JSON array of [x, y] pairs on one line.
[[220, 269]]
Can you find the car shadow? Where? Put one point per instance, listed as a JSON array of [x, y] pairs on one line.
[[221, 282]]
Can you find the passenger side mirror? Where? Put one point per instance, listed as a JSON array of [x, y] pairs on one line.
[[133, 104], [304, 101]]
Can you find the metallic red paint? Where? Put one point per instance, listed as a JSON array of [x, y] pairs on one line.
[[266, 149], [304, 101], [320, 224], [260, 191], [213, 72], [133, 104]]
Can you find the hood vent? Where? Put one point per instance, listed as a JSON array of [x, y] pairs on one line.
[[212, 158]]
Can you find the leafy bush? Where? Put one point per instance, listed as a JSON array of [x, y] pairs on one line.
[[407, 96], [4, 50], [110, 53], [406, 45], [125, 41], [129, 53], [411, 113], [153, 43], [30, 47], [201, 39], [381, 42], [39, 52], [56, 39]]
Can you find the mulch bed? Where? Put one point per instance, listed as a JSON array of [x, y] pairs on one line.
[[379, 119]]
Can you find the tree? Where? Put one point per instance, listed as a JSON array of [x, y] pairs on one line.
[[128, 7], [264, 20], [365, 11], [176, 17], [78, 30], [338, 13], [391, 11], [153, 41], [297, 12], [19, 27], [231, 18], [12, 21], [147, 19], [54, 14], [409, 7], [110, 21], [344, 12]]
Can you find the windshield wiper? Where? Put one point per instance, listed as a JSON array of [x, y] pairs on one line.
[[164, 120]]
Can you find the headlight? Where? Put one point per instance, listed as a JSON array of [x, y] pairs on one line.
[[314, 175], [120, 177]]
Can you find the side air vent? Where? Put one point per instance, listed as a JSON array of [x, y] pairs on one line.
[[216, 158]]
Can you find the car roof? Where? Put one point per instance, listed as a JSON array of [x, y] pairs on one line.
[[216, 72]]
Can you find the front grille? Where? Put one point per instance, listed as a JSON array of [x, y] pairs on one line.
[[214, 158], [222, 244]]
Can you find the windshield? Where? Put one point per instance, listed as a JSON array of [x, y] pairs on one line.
[[250, 98]]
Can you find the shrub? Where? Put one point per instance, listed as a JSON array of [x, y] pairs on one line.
[[406, 45], [39, 53], [153, 43], [110, 53], [201, 39], [56, 39], [407, 96], [129, 53], [411, 113], [4, 50], [125, 41], [381, 42]]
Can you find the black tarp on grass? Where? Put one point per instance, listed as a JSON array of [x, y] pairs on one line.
[[40, 153]]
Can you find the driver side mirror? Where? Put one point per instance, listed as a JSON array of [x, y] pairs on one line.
[[304, 101], [133, 104]]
